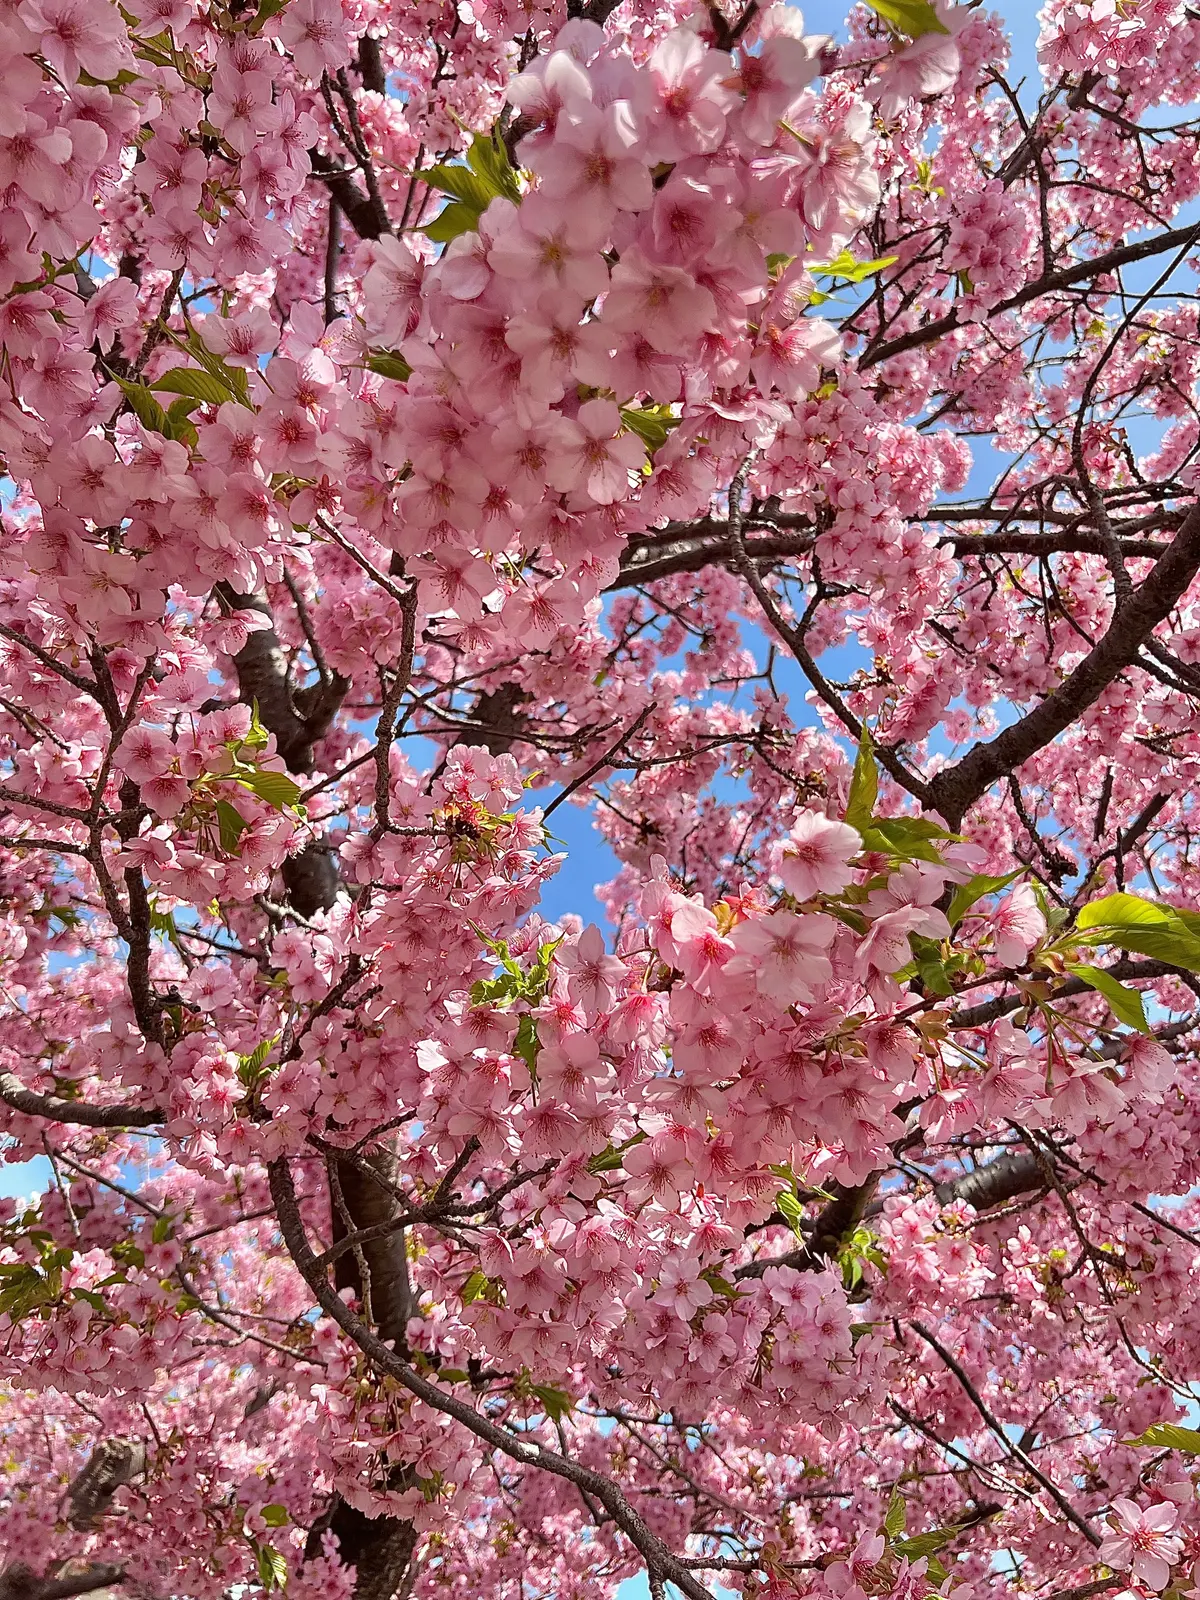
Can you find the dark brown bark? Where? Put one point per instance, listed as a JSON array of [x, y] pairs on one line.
[[356, 207], [52, 1106], [370, 1204], [955, 789], [1064, 278], [22, 1583], [112, 1463], [1014, 1173], [381, 1548]]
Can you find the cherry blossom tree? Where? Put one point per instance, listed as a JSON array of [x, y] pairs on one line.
[[420, 417]]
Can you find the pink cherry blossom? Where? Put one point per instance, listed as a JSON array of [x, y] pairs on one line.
[[1142, 1541], [815, 858]]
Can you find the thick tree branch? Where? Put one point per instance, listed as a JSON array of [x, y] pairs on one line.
[[55, 1109], [355, 206], [517, 1447], [21, 1583], [955, 789], [1064, 278]]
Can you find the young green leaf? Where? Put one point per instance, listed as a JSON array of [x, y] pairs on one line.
[[1124, 911], [1128, 922], [556, 1403], [791, 1210], [476, 1286], [913, 17], [276, 788], [924, 1544], [864, 784], [488, 157], [1169, 1436], [390, 364], [845, 266], [897, 1516], [230, 825], [179, 422], [465, 186], [200, 384], [272, 1568], [1124, 1003], [451, 221], [652, 424], [906, 837], [144, 406], [232, 378]]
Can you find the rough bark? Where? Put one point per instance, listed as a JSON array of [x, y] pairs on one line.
[[1015, 1173], [53, 1107], [112, 1463], [381, 1548], [22, 1583], [955, 789], [369, 1204]]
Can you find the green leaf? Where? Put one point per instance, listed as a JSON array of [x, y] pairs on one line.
[[1124, 1003], [526, 1044], [906, 837], [451, 221], [276, 788], [897, 1516], [389, 364], [610, 1160], [1124, 911], [453, 1375], [197, 382], [179, 423], [162, 1230], [845, 266], [23, 1289], [487, 176], [556, 1403], [231, 826], [250, 1068], [472, 190], [652, 424], [1131, 923], [791, 1210], [163, 923], [913, 17], [720, 1285], [476, 1286], [931, 966], [488, 158], [924, 1544], [607, 1160], [1169, 1436], [256, 736], [144, 406], [275, 1516], [234, 378], [975, 889], [272, 1568], [864, 784], [266, 10]]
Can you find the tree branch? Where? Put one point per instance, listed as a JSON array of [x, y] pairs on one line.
[[55, 1109], [518, 1447], [955, 789]]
